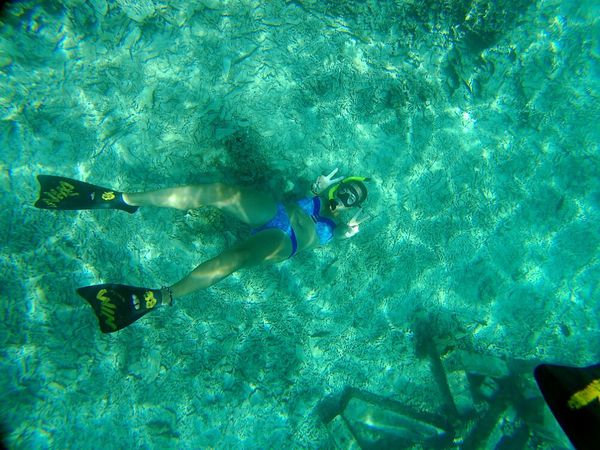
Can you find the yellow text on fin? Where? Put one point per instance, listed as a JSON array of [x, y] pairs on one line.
[[586, 396], [107, 310], [54, 196]]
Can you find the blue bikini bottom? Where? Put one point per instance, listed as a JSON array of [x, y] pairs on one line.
[[280, 221]]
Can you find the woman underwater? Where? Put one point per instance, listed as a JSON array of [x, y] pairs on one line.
[[279, 232]]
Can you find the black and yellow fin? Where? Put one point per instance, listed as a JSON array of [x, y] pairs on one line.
[[119, 305], [66, 193], [573, 395]]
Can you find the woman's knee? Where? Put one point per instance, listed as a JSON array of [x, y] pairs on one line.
[[244, 203], [247, 204]]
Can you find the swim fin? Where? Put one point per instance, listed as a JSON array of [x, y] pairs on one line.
[[573, 395], [119, 305], [66, 193]]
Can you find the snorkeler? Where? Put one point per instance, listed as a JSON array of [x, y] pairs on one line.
[[278, 232]]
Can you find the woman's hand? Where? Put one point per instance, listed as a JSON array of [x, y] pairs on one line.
[[353, 225], [324, 181]]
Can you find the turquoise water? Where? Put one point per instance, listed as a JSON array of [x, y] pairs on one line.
[[478, 122]]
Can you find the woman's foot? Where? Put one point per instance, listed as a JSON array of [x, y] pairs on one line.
[[166, 294]]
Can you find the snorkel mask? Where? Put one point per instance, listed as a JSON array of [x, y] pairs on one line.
[[348, 193]]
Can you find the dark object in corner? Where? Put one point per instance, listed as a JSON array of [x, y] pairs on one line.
[[573, 395]]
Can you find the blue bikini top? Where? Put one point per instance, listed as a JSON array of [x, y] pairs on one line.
[[323, 225]]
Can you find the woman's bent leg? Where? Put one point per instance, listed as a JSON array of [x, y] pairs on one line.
[[246, 204], [267, 246]]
